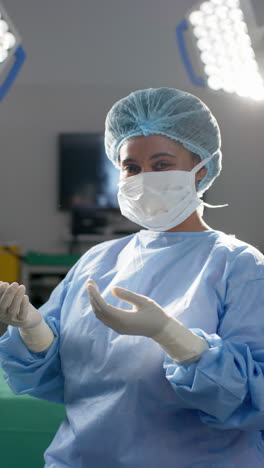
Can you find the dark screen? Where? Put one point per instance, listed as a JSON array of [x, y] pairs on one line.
[[87, 179]]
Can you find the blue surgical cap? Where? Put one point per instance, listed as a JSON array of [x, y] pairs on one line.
[[169, 112]]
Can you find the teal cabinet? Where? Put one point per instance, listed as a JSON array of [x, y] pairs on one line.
[[27, 427]]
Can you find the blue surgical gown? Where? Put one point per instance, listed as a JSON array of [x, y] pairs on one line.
[[128, 403]]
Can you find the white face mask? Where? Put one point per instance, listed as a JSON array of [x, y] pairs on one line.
[[160, 200]]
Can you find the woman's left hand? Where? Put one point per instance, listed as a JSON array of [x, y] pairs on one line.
[[146, 318]]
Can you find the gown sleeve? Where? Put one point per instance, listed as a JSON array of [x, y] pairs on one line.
[[37, 374], [226, 385]]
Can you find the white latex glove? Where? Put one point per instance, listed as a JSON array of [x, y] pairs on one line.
[[16, 310], [148, 319]]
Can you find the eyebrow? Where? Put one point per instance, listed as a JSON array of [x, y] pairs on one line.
[[153, 156]]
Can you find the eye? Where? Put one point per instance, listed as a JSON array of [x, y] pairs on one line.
[[163, 165], [130, 169]]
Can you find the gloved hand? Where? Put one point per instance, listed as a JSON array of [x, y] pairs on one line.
[[148, 319], [16, 310]]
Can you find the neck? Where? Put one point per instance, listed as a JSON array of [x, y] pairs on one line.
[[194, 223]]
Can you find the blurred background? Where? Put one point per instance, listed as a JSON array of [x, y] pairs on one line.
[[58, 191], [83, 56]]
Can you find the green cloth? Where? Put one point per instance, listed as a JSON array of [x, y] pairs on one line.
[[38, 258], [27, 427]]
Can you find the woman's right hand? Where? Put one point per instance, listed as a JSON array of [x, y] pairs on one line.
[[15, 308]]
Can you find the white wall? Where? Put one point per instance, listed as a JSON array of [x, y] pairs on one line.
[[31, 118], [102, 51]]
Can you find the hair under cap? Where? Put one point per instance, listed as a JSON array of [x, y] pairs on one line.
[[170, 112]]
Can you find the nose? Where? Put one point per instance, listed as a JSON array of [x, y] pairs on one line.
[[146, 167]]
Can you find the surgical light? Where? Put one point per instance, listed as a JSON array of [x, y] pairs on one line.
[[12, 54], [228, 45]]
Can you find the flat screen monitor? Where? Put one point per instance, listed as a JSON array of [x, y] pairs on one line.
[[87, 179]]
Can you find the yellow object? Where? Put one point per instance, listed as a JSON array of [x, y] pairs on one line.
[[9, 264]]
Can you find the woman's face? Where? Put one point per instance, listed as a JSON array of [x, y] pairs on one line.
[[155, 153]]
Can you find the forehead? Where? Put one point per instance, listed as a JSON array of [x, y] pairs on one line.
[[147, 145]]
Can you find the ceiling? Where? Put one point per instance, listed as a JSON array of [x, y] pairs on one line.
[[100, 42]]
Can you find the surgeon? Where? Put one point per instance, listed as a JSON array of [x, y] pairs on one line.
[[154, 342]]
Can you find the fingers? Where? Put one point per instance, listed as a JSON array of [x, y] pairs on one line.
[[129, 296], [11, 297], [120, 320], [14, 308], [8, 295], [121, 293], [92, 283], [23, 309], [100, 306], [3, 287], [96, 299]]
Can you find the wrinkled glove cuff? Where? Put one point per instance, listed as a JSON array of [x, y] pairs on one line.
[[180, 343], [38, 338]]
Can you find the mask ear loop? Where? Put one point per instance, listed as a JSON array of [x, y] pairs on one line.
[[196, 169], [214, 206], [202, 163]]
